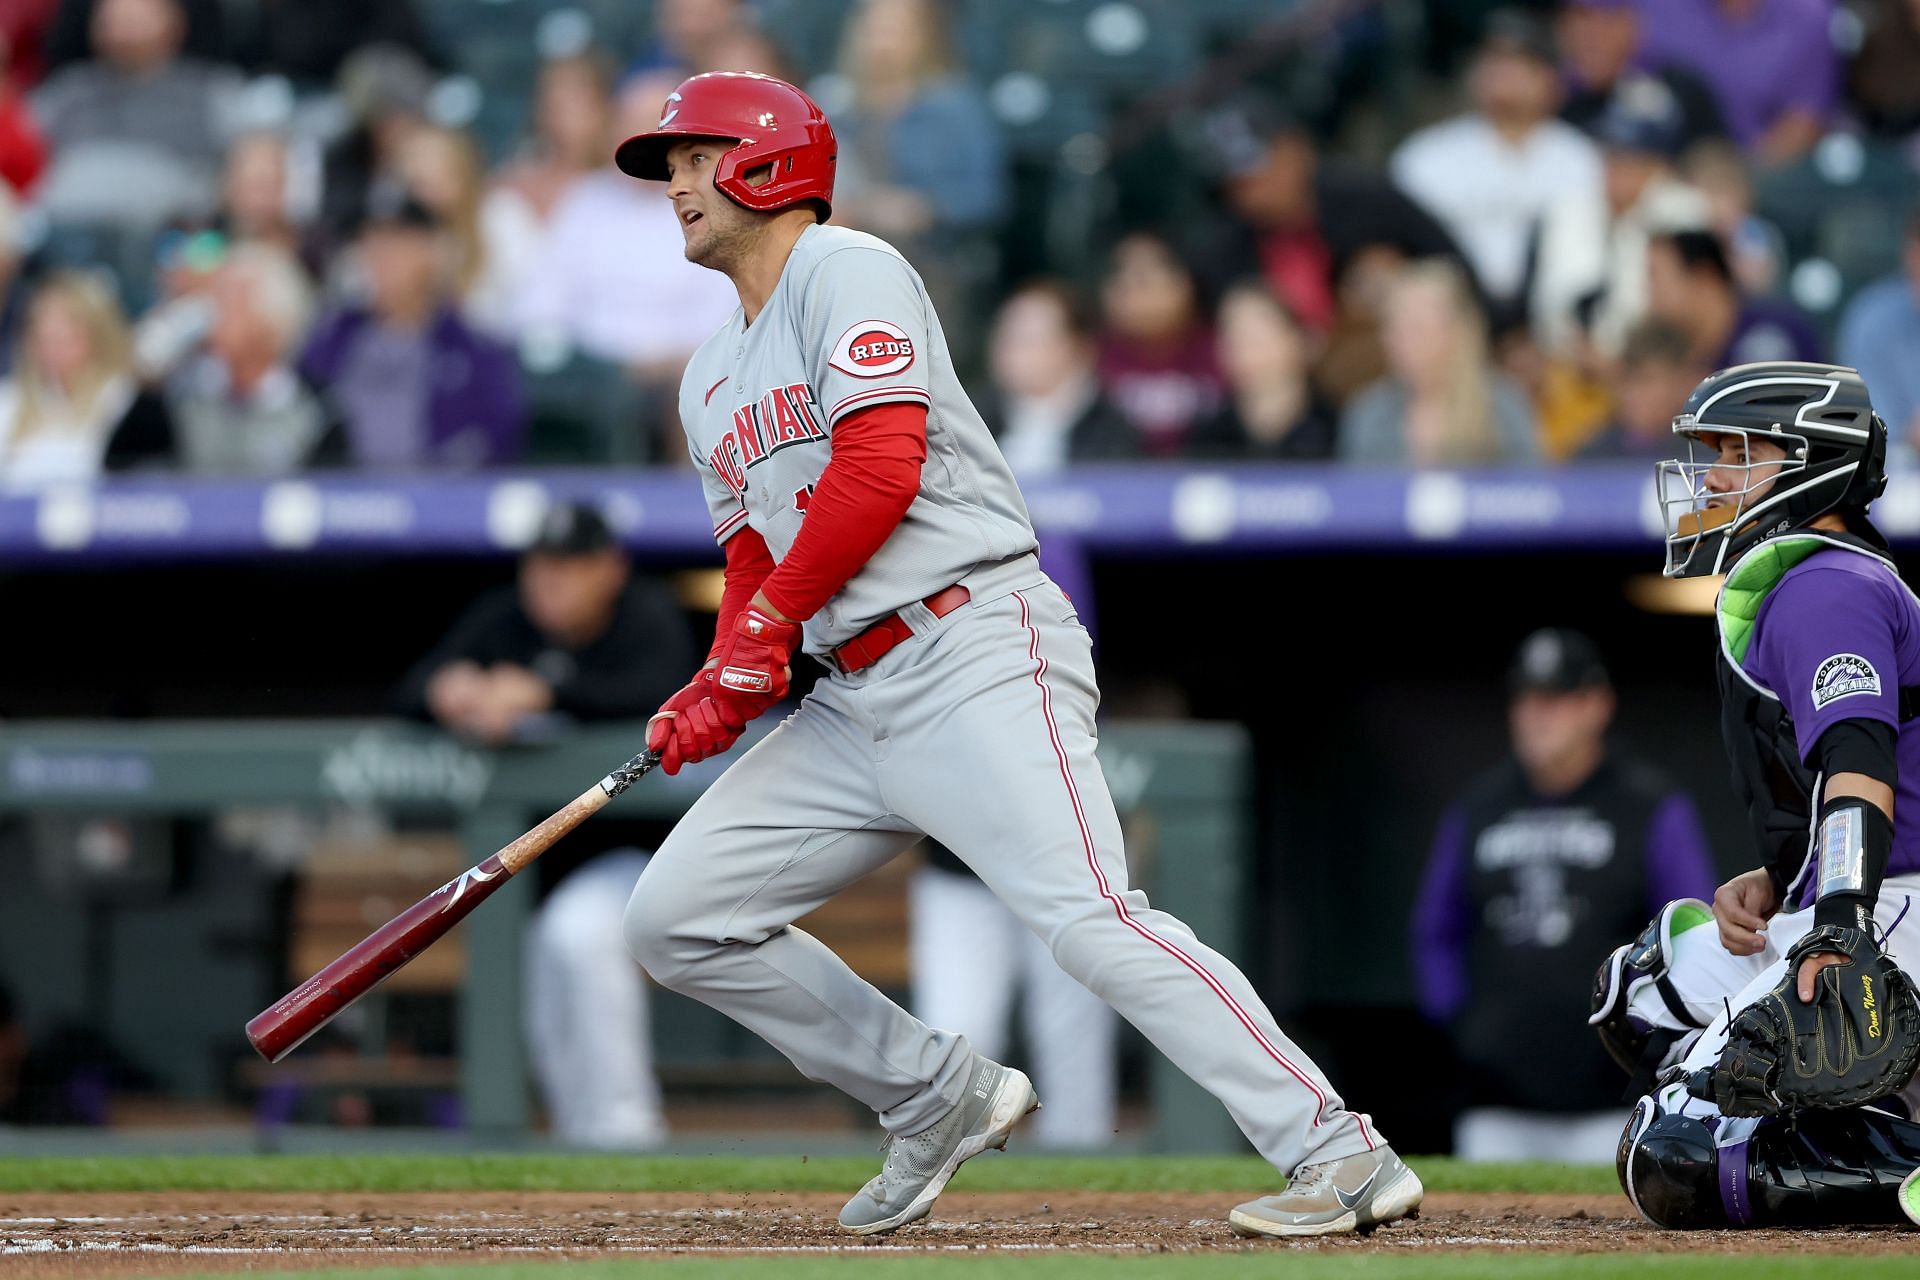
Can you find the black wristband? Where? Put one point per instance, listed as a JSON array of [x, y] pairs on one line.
[[1854, 840]]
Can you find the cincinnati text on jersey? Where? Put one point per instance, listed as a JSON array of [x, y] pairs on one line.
[[783, 417]]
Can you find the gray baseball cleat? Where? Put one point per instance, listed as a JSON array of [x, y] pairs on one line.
[[1337, 1196], [918, 1167]]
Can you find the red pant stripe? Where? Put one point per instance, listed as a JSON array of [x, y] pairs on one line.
[[1119, 906]]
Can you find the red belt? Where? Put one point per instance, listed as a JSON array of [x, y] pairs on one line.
[[877, 640]]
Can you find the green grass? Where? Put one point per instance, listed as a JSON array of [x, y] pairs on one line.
[[721, 1174], [1282, 1266]]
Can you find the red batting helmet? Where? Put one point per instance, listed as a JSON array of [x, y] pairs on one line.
[[770, 123]]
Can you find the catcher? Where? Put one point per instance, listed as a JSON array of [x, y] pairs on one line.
[[1772, 1032]]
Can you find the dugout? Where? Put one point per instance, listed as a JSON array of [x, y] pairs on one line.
[[1356, 625]]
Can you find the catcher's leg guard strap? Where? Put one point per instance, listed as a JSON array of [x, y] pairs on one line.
[[1639, 1047]]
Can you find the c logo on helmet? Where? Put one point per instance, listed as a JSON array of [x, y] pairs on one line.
[[873, 349], [672, 111]]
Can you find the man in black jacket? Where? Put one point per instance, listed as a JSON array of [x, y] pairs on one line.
[[578, 637], [1555, 852]]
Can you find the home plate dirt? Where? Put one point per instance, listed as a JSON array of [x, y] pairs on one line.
[[58, 1235]]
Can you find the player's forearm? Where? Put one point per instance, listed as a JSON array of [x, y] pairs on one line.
[[862, 496], [748, 563], [1855, 836]]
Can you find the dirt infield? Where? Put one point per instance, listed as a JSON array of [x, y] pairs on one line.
[[73, 1235]]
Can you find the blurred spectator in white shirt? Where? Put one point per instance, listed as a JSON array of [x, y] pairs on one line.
[[1047, 408], [572, 121], [645, 306], [1441, 403], [72, 407], [138, 131], [1590, 285], [1491, 174]]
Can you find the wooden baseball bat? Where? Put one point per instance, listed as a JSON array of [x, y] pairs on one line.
[[280, 1028]]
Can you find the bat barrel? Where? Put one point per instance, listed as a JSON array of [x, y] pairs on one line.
[[280, 1028]]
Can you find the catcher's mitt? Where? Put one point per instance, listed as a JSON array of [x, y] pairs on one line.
[[1858, 1040]]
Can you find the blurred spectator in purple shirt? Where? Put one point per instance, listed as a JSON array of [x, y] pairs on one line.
[[1771, 64], [1156, 350], [1544, 864], [1690, 283], [415, 386], [1599, 43]]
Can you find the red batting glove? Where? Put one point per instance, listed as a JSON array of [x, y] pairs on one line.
[[679, 733], [752, 670], [693, 725]]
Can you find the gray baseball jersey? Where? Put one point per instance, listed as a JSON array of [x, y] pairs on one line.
[[979, 731], [848, 326]]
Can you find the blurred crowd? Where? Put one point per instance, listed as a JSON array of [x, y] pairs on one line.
[[252, 237]]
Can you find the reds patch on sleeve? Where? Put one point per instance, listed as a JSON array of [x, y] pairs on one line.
[[872, 349]]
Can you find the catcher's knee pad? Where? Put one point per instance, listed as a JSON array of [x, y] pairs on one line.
[[1639, 1046], [1828, 1168]]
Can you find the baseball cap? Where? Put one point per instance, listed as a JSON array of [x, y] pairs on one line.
[[572, 529], [1556, 660], [1512, 31], [1233, 138], [1642, 115]]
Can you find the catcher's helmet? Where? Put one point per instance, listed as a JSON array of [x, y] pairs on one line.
[[1836, 455], [769, 122]]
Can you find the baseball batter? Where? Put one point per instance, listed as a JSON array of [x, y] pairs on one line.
[[868, 517]]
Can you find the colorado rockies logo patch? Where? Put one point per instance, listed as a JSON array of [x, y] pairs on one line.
[[1842, 676], [872, 349]]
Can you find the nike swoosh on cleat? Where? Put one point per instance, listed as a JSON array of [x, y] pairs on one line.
[[1360, 1193]]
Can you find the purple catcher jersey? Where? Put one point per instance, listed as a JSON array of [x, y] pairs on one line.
[[1837, 639]]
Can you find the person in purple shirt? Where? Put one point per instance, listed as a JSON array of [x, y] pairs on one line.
[[1819, 668], [1690, 284], [415, 386], [1771, 65], [1542, 862]]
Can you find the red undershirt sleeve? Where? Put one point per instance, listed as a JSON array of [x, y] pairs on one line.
[[863, 493], [748, 564]]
